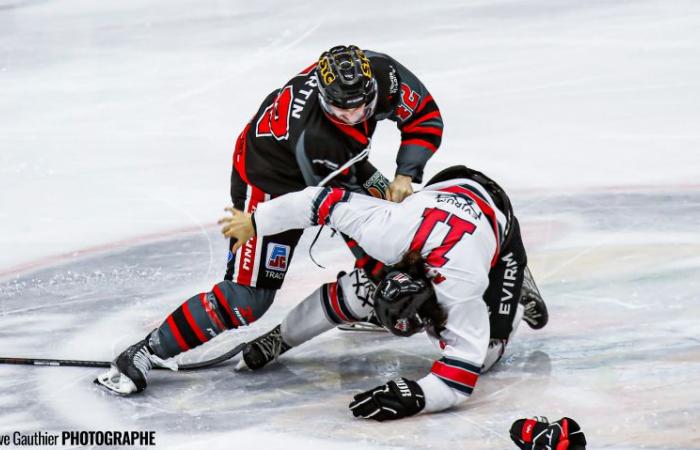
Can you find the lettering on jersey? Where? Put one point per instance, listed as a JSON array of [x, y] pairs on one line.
[[247, 256], [409, 102], [393, 81], [274, 121], [275, 275], [466, 204], [300, 102], [277, 256], [324, 69], [312, 82], [509, 276]]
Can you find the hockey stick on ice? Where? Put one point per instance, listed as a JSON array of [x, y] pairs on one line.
[[79, 363]]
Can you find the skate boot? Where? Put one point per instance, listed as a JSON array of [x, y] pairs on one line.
[[262, 350], [129, 371], [535, 313]]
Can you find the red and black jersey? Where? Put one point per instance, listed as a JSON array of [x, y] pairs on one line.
[[290, 143]]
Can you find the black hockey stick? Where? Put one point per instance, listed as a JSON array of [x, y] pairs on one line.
[[106, 364]]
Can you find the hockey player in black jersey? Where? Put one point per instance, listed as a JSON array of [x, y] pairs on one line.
[[314, 130]]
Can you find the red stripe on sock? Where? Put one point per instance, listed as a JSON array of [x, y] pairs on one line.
[[193, 323], [335, 301], [178, 337], [362, 262], [211, 313], [377, 268], [222, 299]]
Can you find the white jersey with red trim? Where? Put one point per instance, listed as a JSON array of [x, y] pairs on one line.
[[458, 230]]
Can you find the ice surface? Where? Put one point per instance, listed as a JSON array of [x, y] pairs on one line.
[[117, 123]]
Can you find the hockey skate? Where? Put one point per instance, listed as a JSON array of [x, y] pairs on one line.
[[129, 372], [535, 313], [262, 350]]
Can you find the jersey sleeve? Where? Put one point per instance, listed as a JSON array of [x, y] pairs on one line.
[[418, 119], [464, 344], [361, 217]]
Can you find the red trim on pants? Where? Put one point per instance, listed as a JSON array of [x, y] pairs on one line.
[[246, 254]]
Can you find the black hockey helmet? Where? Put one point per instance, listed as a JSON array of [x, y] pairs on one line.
[[345, 80], [398, 300]]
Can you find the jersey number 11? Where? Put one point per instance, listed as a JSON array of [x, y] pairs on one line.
[[458, 228]]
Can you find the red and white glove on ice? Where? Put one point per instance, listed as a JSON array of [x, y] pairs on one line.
[[538, 434]]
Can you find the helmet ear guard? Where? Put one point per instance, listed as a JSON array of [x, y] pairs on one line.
[[398, 301]]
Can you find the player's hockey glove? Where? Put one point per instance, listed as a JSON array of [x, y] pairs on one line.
[[395, 400], [538, 434]]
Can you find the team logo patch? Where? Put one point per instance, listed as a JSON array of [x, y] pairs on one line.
[[277, 257]]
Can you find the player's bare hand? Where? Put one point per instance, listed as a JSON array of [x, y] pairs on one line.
[[238, 225], [399, 189]]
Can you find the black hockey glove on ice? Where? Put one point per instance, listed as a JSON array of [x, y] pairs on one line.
[[538, 434], [395, 400]]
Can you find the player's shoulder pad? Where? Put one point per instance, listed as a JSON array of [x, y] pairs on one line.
[[388, 81]]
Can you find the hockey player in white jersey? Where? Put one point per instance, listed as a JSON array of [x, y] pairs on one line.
[[457, 269]]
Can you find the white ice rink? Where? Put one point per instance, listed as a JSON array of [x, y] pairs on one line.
[[117, 123]]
